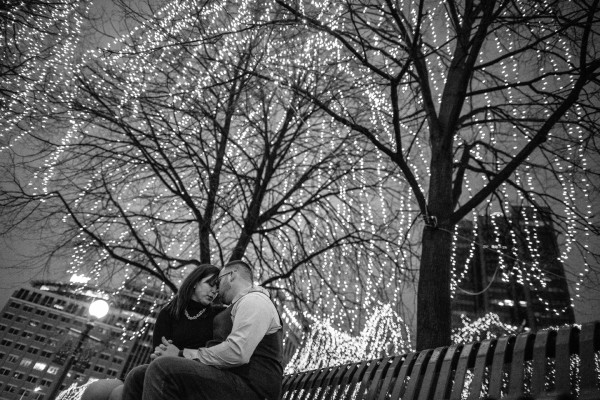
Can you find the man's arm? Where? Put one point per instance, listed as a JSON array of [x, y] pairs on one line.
[[254, 317]]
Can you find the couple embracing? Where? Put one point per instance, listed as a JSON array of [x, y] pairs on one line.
[[205, 353]]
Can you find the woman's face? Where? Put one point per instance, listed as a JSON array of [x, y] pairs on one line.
[[204, 292]]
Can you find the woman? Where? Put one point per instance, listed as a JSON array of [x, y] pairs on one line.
[[186, 321]]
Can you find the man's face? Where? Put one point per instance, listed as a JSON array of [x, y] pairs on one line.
[[225, 285]]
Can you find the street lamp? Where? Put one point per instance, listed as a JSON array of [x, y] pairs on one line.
[[98, 309]]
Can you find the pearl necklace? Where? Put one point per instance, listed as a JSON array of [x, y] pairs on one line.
[[195, 316]]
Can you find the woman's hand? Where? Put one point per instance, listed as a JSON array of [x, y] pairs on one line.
[[166, 348]]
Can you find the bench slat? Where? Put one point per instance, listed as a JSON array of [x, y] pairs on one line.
[[342, 380], [521, 352], [484, 358], [466, 356], [291, 384], [390, 374], [432, 372], [544, 342], [319, 385], [501, 354], [377, 378], [589, 344], [417, 374], [448, 366], [402, 374], [368, 377], [304, 385], [349, 383], [331, 380], [564, 339]]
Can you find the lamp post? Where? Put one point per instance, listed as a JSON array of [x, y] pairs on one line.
[[98, 309]]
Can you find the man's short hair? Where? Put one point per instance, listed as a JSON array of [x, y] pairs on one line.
[[244, 269]]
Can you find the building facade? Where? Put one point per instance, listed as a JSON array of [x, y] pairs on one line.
[[514, 271], [40, 326]]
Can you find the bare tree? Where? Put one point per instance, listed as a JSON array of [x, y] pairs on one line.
[[178, 152], [495, 102]]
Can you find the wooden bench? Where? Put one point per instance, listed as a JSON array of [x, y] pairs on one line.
[[544, 365]]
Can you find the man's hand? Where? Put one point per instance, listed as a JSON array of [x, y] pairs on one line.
[[166, 348]]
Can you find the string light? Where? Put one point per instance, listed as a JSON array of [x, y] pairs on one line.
[[385, 333]]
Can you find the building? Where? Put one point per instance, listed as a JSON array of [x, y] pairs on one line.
[[514, 272], [40, 325]]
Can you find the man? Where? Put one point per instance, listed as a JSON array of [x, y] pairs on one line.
[[246, 365]]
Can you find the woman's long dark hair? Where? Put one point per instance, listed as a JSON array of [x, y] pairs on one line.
[[188, 286]]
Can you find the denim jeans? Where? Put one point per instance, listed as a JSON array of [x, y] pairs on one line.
[[176, 378]]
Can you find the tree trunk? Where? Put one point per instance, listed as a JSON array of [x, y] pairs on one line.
[[240, 247], [433, 300], [204, 239]]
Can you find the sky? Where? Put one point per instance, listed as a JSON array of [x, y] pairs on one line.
[[15, 270]]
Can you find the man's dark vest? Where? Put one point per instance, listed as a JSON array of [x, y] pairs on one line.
[[264, 372]]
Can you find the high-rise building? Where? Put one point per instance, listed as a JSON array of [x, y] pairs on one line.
[[510, 265], [40, 325]]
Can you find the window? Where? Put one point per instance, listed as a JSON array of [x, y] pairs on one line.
[[47, 327], [18, 375], [98, 368], [4, 371], [52, 316], [10, 388], [35, 297], [33, 350], [6, 342], [39, 338], [12, 304], [52, 370], [40, 366], [24, 392], [12, 358], [20, 346], [74, 309], [13, 331], [33, 322], [46, 353], [2, 327], [47, 301], [46, 382], [25, 362], [112, 372], [40, 312], [27, 308], [20, 319], [9, 315], [38, 396], [27, 334], [32, 379], [104, 356], [117, 360], [59, 304]]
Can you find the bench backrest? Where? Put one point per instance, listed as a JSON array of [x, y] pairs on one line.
[[542, 365]]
